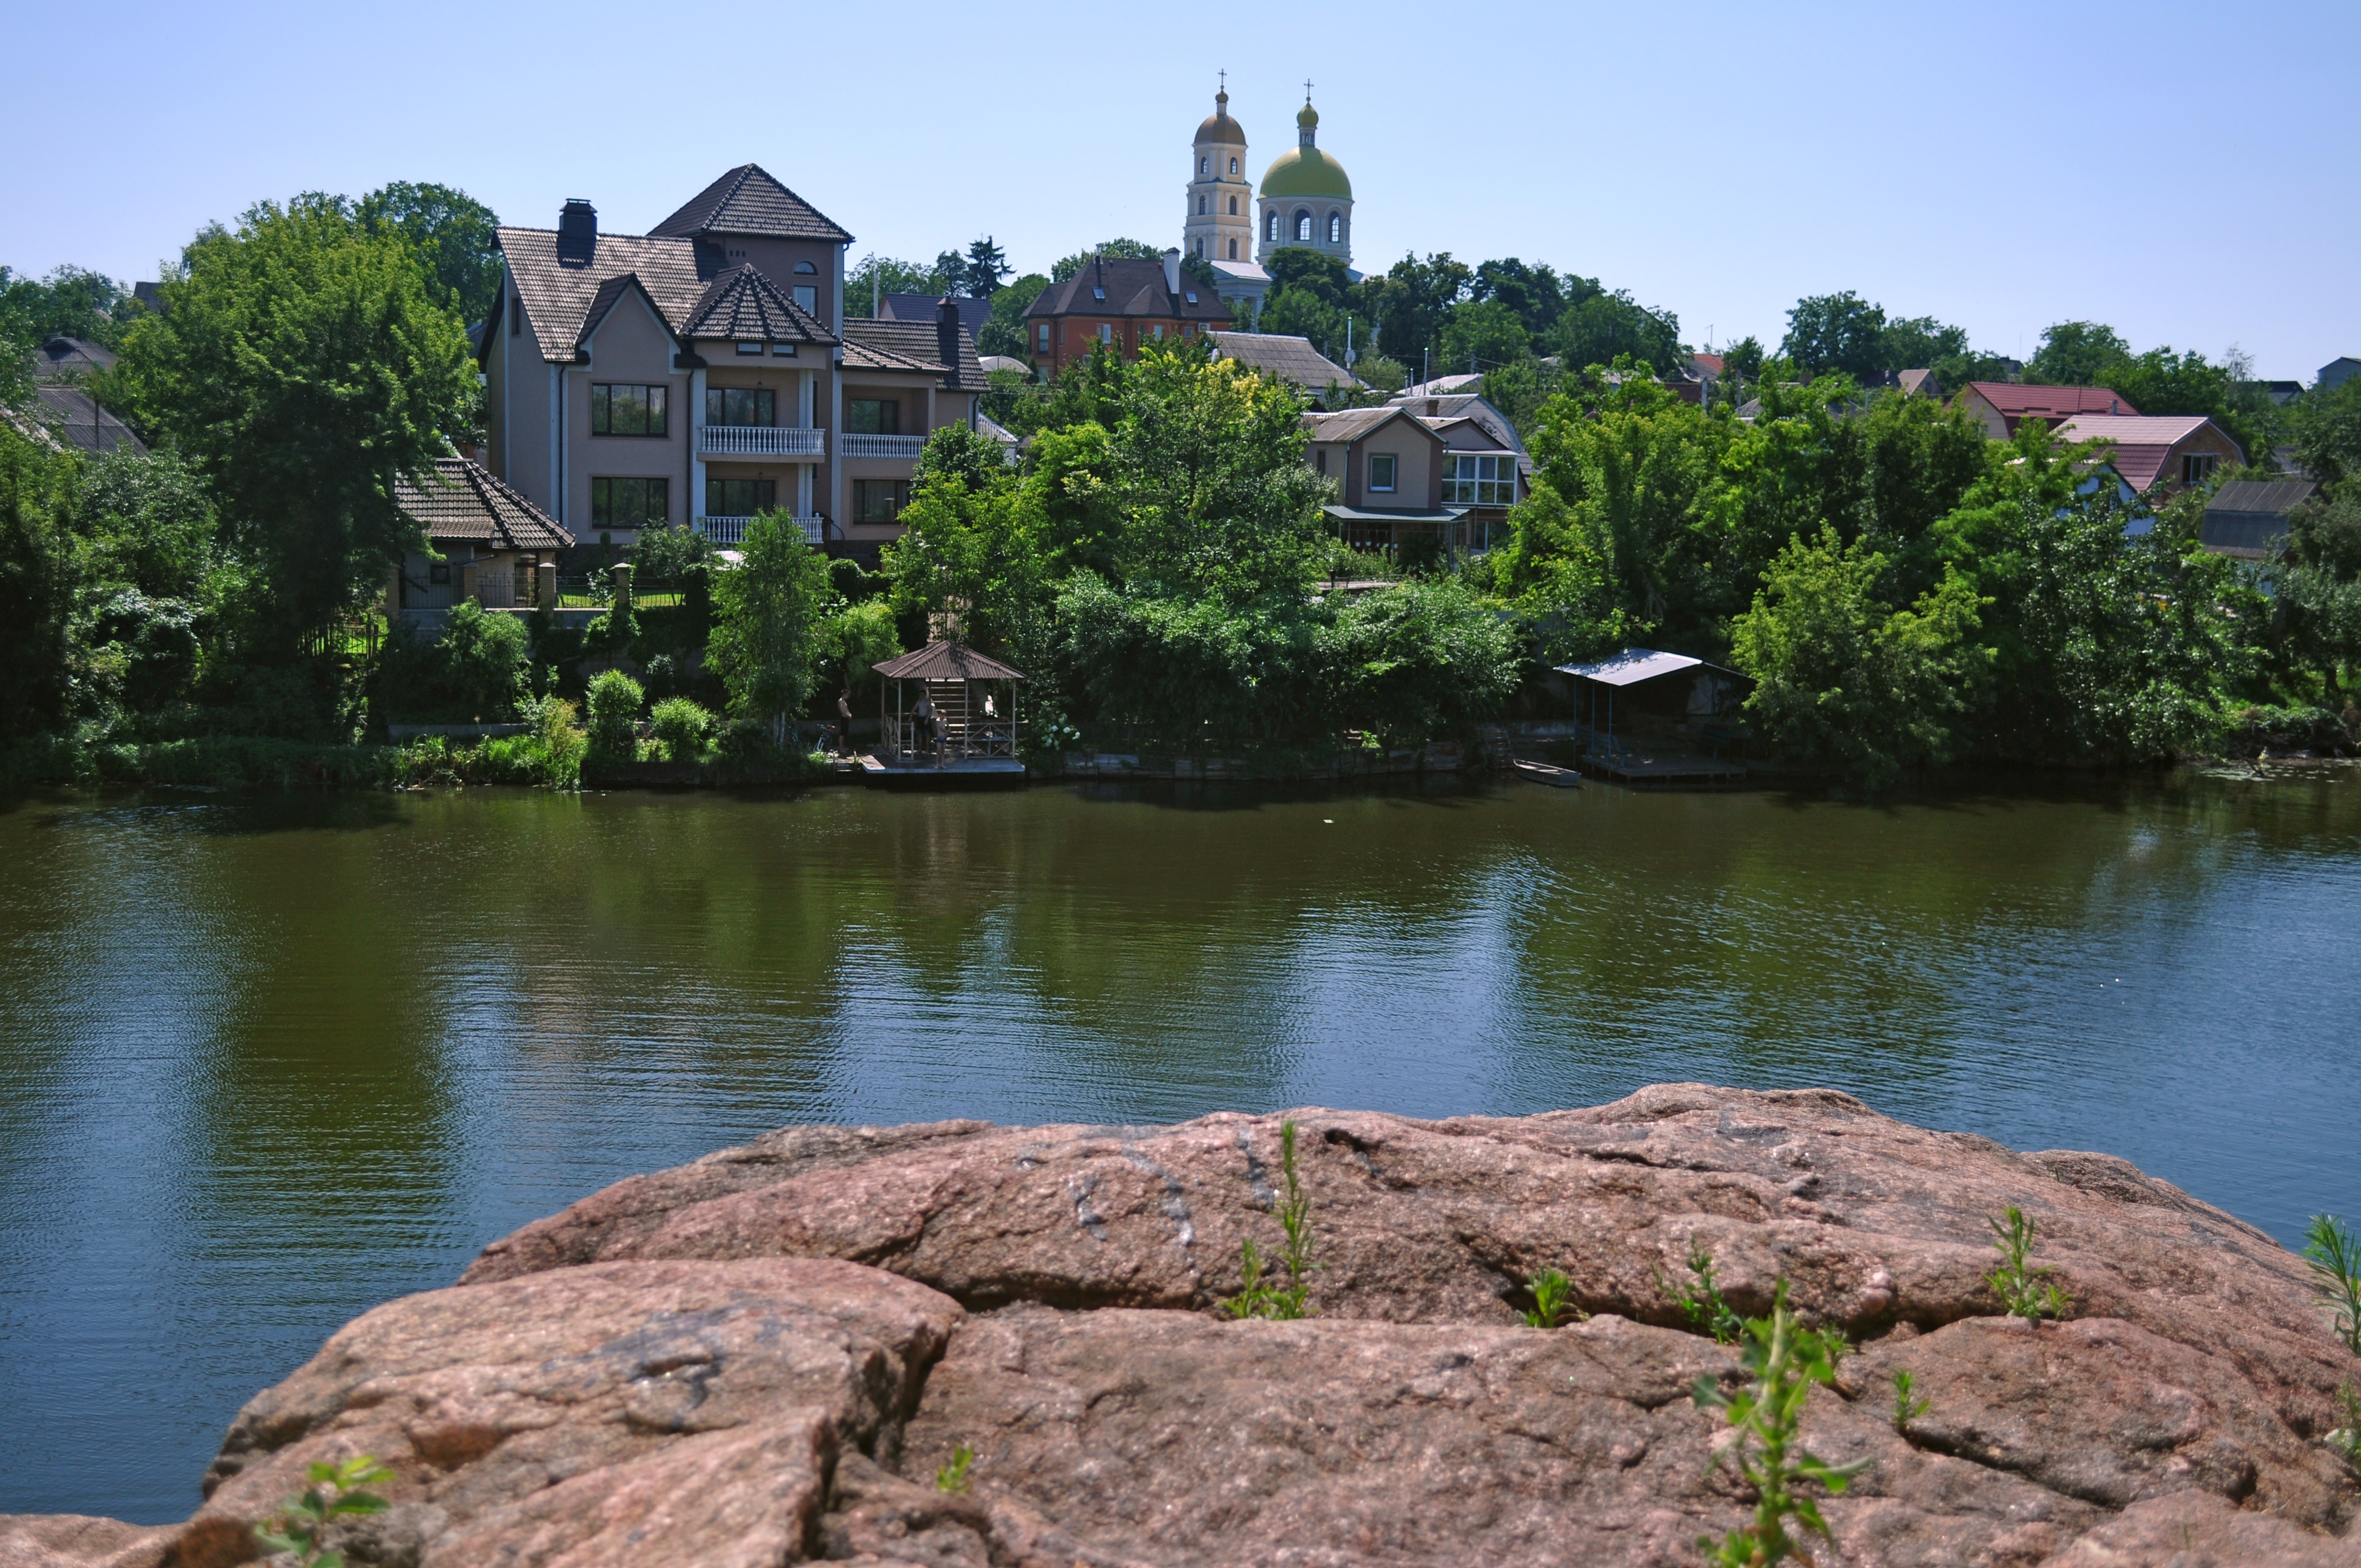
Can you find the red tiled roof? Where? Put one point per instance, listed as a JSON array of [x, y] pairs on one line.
[[2143, 444], [2015, 401]]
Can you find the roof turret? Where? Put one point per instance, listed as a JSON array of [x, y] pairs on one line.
[[1305, 171], [1219, 127]]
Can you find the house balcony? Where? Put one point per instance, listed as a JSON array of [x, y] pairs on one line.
[[732, 529], [905, 447], [761, 441]]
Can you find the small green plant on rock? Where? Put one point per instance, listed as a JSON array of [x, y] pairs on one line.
[[1907, 1408], [2025, 1290], [2335, 1253], [2345, 1437], [1782, 1361], [1702, 1304], [1551, 1290], [952, 1478], [301, 1524], [1255, 1298]]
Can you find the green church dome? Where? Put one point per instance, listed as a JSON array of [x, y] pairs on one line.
[[1304, 170]]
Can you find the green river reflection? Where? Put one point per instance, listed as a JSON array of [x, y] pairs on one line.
[[270, 1062]]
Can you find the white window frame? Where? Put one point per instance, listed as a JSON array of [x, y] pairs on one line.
[[1393, 473]]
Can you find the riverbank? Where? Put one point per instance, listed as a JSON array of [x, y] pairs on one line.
[[955, 1342]]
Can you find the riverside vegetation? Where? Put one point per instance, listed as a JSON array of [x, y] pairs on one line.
[[1904, 592]]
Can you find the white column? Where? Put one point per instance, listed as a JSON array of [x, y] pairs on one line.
[[696, 448]]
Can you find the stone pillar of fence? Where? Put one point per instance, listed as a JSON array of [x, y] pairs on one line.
[[545, 583], [621, 575], [468, 581]]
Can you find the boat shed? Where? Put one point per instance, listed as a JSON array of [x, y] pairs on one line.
[[1643, 716]]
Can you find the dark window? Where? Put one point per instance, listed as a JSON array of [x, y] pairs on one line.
[[750, 349], [741, 405], [1045, 337], [438, 572], [873, 416], [1303, 226], [807, 299], [1320, 460], [516, 314], [1335, 228], [2196, 469], [879, 500], [617, 410], [631, 503], [740, 497], [1381, 470], [1271, 228]]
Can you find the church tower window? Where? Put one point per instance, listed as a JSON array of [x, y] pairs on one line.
[[1335, 228], [1233, 207], [1271, 228], [1234, 250], [1303, 226], [1200, 169], [1233, 169]]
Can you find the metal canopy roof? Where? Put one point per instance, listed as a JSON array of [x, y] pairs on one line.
[[946, 662], [1636, 664], [1364, 514]]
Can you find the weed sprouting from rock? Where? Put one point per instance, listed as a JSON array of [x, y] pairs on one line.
[[2024, 1289], [1783, 1360], [1255, 1298], [1702, 1304], [302, 1523], [1907, 1408], [2347, 1437], [2335, 1253], [952, 1478], [1551, 1290]]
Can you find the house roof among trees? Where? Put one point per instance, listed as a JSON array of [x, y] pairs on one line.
[[973, 314], [911, 347], [2143, 443], [1125, 286], [1352, 424], [73, 416], [1288, 358], [2278, 496], [462, 501], [2015, 401], [743, 304], [747, 200], [946, 662]]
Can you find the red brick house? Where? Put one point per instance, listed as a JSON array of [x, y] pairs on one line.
[[1121, 303]]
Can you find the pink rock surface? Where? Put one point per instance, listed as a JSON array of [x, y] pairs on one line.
[[765, 1356]]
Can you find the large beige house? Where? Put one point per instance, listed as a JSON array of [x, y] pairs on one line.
[[705, 371]]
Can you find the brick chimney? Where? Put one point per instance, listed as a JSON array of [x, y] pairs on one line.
[[946, 328], [1172, 271], [577, 231]]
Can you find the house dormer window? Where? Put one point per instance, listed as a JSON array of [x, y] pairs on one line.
[[1098, 293], [1191, 297]]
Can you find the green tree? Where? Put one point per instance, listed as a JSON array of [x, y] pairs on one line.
[[1842, 679], [36, 582], [984, 269], [769, 615], [1837, 332], [2327, 430], [456, 236], [2076, 354], [1407, 304], [1114, 249], [1480, 333], [1602, 328], [1535, 293], [876, 275], [1744, 359], [70, 301], [303, 363], [1005, 333]]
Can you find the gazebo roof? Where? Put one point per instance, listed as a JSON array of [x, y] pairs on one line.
[[946, 662]]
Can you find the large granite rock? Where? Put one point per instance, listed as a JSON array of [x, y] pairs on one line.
[[764, 1357]]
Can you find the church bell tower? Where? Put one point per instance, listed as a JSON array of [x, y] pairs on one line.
[[1219, 226]]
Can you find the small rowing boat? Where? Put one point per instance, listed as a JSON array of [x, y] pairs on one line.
[[1542, 773]]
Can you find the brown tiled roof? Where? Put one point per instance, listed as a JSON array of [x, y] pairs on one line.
[[743, 304], [1131, 287], [560, 296], [463, 500], [748, 201], [946, 662], [911, 347], [1289, 359]]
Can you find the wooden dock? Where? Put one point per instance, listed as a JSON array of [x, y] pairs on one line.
[[1635, 770]]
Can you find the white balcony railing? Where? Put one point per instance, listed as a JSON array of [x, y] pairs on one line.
[[761, 441], [732, 529], [852, 446]]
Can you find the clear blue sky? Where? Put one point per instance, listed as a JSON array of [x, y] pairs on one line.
[[2185, 172]]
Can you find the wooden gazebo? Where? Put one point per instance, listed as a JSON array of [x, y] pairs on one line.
[[947, 708]]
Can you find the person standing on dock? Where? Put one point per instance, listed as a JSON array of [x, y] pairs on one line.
[[844, 722]]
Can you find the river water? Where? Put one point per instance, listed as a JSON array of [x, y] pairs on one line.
[[265, 1063]]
